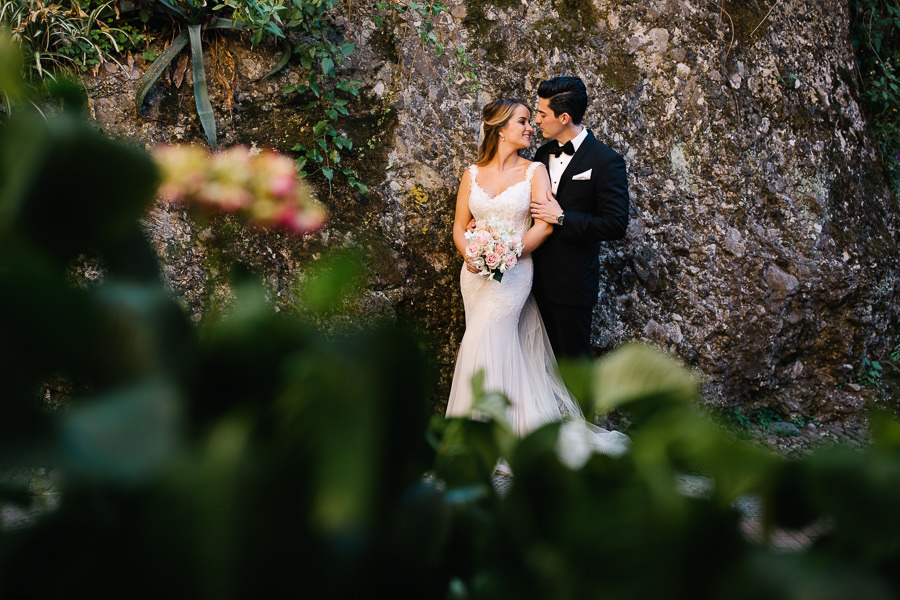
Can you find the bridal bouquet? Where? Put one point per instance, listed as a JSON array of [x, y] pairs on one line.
[[493, 248]]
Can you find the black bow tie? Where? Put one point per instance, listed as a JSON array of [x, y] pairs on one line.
[[556, 149]]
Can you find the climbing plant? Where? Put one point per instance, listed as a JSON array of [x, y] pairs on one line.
[[328, 95], [322, 147], [876, 30], [304, 29], [418, 19], [877, 42]]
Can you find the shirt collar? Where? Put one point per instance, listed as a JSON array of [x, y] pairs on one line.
[[578, 139]]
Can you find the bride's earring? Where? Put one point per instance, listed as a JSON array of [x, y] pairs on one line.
[[502, 139]]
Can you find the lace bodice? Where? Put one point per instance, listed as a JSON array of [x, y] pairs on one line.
[[512, 205]]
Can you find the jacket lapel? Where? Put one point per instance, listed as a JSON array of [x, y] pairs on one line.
[[573, 167]]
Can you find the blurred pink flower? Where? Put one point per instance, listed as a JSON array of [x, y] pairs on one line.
[[263, 187], [281, 185], [306, 220]]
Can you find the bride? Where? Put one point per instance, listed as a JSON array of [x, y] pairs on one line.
[[505, 335]]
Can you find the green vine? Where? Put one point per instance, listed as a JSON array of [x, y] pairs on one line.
[[303, 28], [877, 42], [876, 30], [420, 16], [323, 147]]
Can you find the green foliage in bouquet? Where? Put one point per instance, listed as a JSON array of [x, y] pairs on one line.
[[253, 455]]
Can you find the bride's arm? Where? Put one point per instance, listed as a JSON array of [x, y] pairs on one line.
[[540, 231], [463, 214]]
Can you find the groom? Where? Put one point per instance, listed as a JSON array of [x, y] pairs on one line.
[[588, 205]]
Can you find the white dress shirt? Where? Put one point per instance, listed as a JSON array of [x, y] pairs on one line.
[[557, 164]]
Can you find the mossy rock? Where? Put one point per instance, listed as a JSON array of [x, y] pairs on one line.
[[620, 71], [747, 16], [581, 13]]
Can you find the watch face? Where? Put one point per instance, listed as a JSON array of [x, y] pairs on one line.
[[559, 219]]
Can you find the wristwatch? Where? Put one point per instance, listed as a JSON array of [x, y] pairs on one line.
[[559, 219]]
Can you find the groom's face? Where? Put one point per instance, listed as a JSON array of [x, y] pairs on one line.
[[547, 120]]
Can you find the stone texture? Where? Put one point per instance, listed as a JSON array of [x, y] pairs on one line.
[[759, 217], [784, 429]]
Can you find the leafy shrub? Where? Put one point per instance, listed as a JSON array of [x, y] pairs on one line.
[[877, 41], [71, 35]]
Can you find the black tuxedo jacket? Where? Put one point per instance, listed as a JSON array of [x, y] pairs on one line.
[[567, 266]]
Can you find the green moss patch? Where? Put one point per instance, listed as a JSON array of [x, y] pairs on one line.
[[747, 15], [620, 71], [580, 13]]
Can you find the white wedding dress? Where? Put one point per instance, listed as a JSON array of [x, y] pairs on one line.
[[505, 338]]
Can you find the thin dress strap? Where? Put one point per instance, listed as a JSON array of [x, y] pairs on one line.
[[473, 170], [530, 173]]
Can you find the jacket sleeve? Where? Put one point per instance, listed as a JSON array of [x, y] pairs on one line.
[[610, 217]]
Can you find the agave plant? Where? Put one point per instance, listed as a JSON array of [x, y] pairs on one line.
[[196, 17]]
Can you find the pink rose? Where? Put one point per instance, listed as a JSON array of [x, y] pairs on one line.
[[483, 237], [510, 261], [492, 259], [472, 250], [500, 248]]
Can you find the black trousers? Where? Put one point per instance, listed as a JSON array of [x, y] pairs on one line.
[[568, 327]]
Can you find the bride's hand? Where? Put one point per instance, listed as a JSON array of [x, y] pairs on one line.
[[471, 226], [471, 267]]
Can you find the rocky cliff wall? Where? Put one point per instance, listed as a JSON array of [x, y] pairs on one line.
[[762, 245]]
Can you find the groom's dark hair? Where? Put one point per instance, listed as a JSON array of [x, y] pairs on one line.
[[566, 95]]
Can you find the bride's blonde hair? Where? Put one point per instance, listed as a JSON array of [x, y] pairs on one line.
[[494, 116]]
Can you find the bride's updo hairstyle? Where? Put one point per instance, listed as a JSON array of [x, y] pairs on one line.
[[493, 117]]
